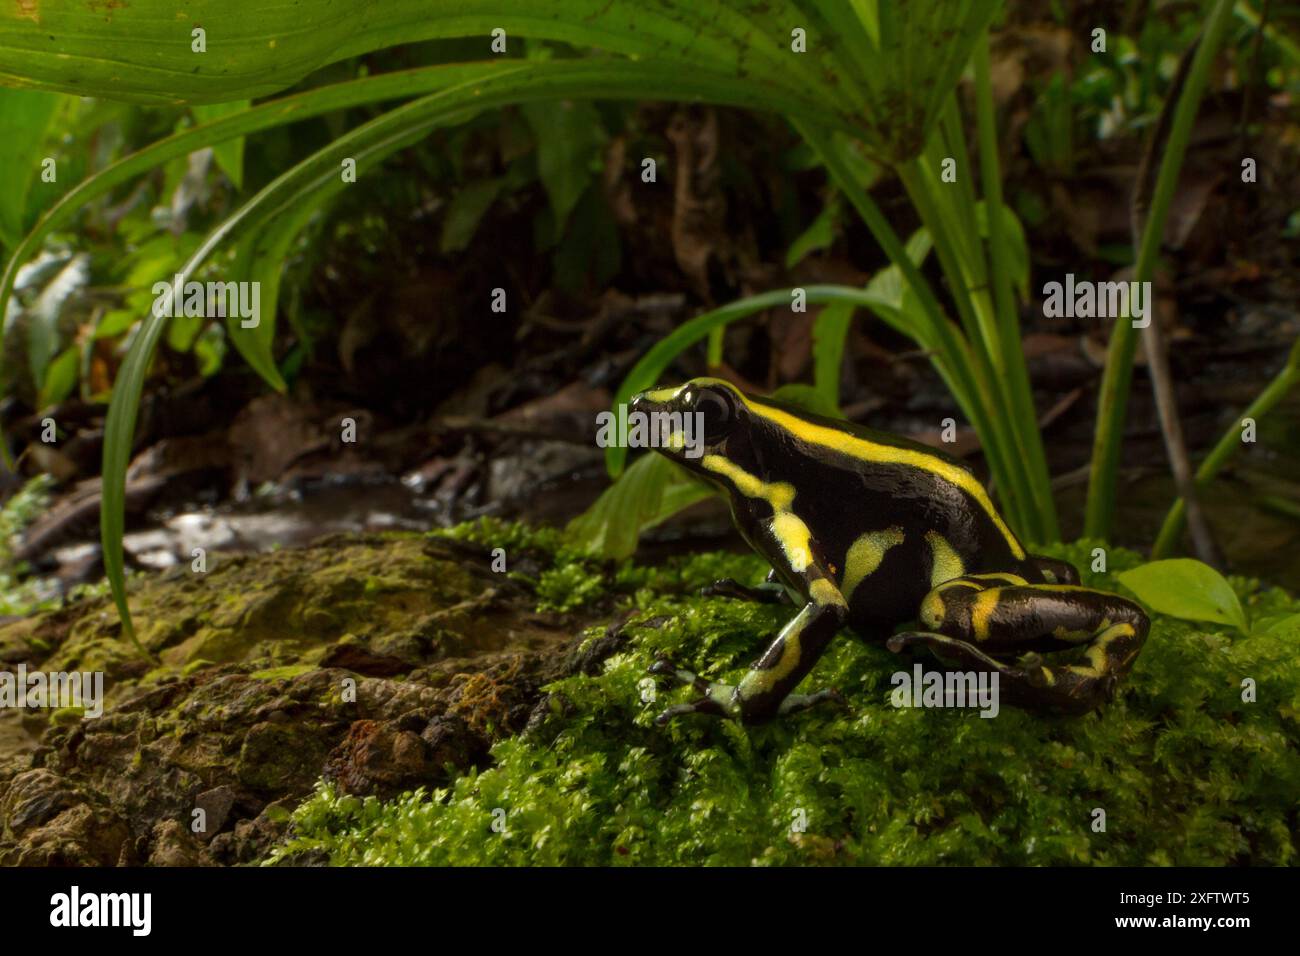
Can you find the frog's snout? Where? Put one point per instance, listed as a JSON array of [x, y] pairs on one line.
[[642, 402]]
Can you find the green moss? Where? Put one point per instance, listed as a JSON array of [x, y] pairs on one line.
[[1186, 772], [283, 673], [67, 716]]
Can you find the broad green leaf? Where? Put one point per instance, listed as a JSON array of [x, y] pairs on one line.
[[808, 398], [885, 68], [230, 154], [285, 201], [650, 491], [25, 117], [113, 324], [262, 259], [1288, 627], [210, 350], [1186, 589], [466, 211], [568, 134], [46, 310], [183, 330], [145, 50], [820, 235], [488, 84], [61, 378]]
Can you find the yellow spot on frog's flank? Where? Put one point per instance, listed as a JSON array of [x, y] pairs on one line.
[[947, 563], [865, 555], [933, 610], [982, 611]]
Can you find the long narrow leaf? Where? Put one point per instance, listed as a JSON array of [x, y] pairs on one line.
[[646, 372]]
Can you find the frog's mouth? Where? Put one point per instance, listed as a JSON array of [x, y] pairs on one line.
[[655, 421]]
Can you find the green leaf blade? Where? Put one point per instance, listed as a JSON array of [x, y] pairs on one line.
[[1186, 589]]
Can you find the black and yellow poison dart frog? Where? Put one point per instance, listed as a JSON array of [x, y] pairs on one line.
[[873, 532]]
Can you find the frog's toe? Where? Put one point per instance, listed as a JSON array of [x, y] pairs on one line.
[[731, 588], [701, 705], [958, 653], [664, 666], [797, 702], [714, 698]]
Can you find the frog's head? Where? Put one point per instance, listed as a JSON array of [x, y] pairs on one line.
[[703, 419]]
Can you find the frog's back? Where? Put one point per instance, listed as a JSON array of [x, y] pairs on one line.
[[913, 513]]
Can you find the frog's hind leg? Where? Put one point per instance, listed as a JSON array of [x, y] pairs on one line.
[[972, 619], [1054, 571]]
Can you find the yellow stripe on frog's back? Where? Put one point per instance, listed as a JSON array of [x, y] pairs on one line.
[[865, 450]]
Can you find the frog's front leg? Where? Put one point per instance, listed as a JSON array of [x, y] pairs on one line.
[[972, 622], [766, 689], [771, 591]]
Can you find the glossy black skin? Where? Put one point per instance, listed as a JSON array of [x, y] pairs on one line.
[[853, 496], [839, 496]]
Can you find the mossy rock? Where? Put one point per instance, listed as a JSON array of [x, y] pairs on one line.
[[1183, 768], [271, 672]]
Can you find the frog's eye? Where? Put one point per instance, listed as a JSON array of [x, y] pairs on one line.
[[719, 412]]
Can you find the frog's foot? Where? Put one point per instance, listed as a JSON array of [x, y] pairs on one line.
[[724, 700], [765, 593], [716, 699], [957, 653], [1066, 689]]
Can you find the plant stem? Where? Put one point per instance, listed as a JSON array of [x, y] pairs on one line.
[[1112, 403], [1276, 390]]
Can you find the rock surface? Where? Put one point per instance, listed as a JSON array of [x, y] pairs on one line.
[[381, 663]]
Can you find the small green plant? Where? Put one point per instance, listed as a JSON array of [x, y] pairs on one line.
[[20, 594]]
